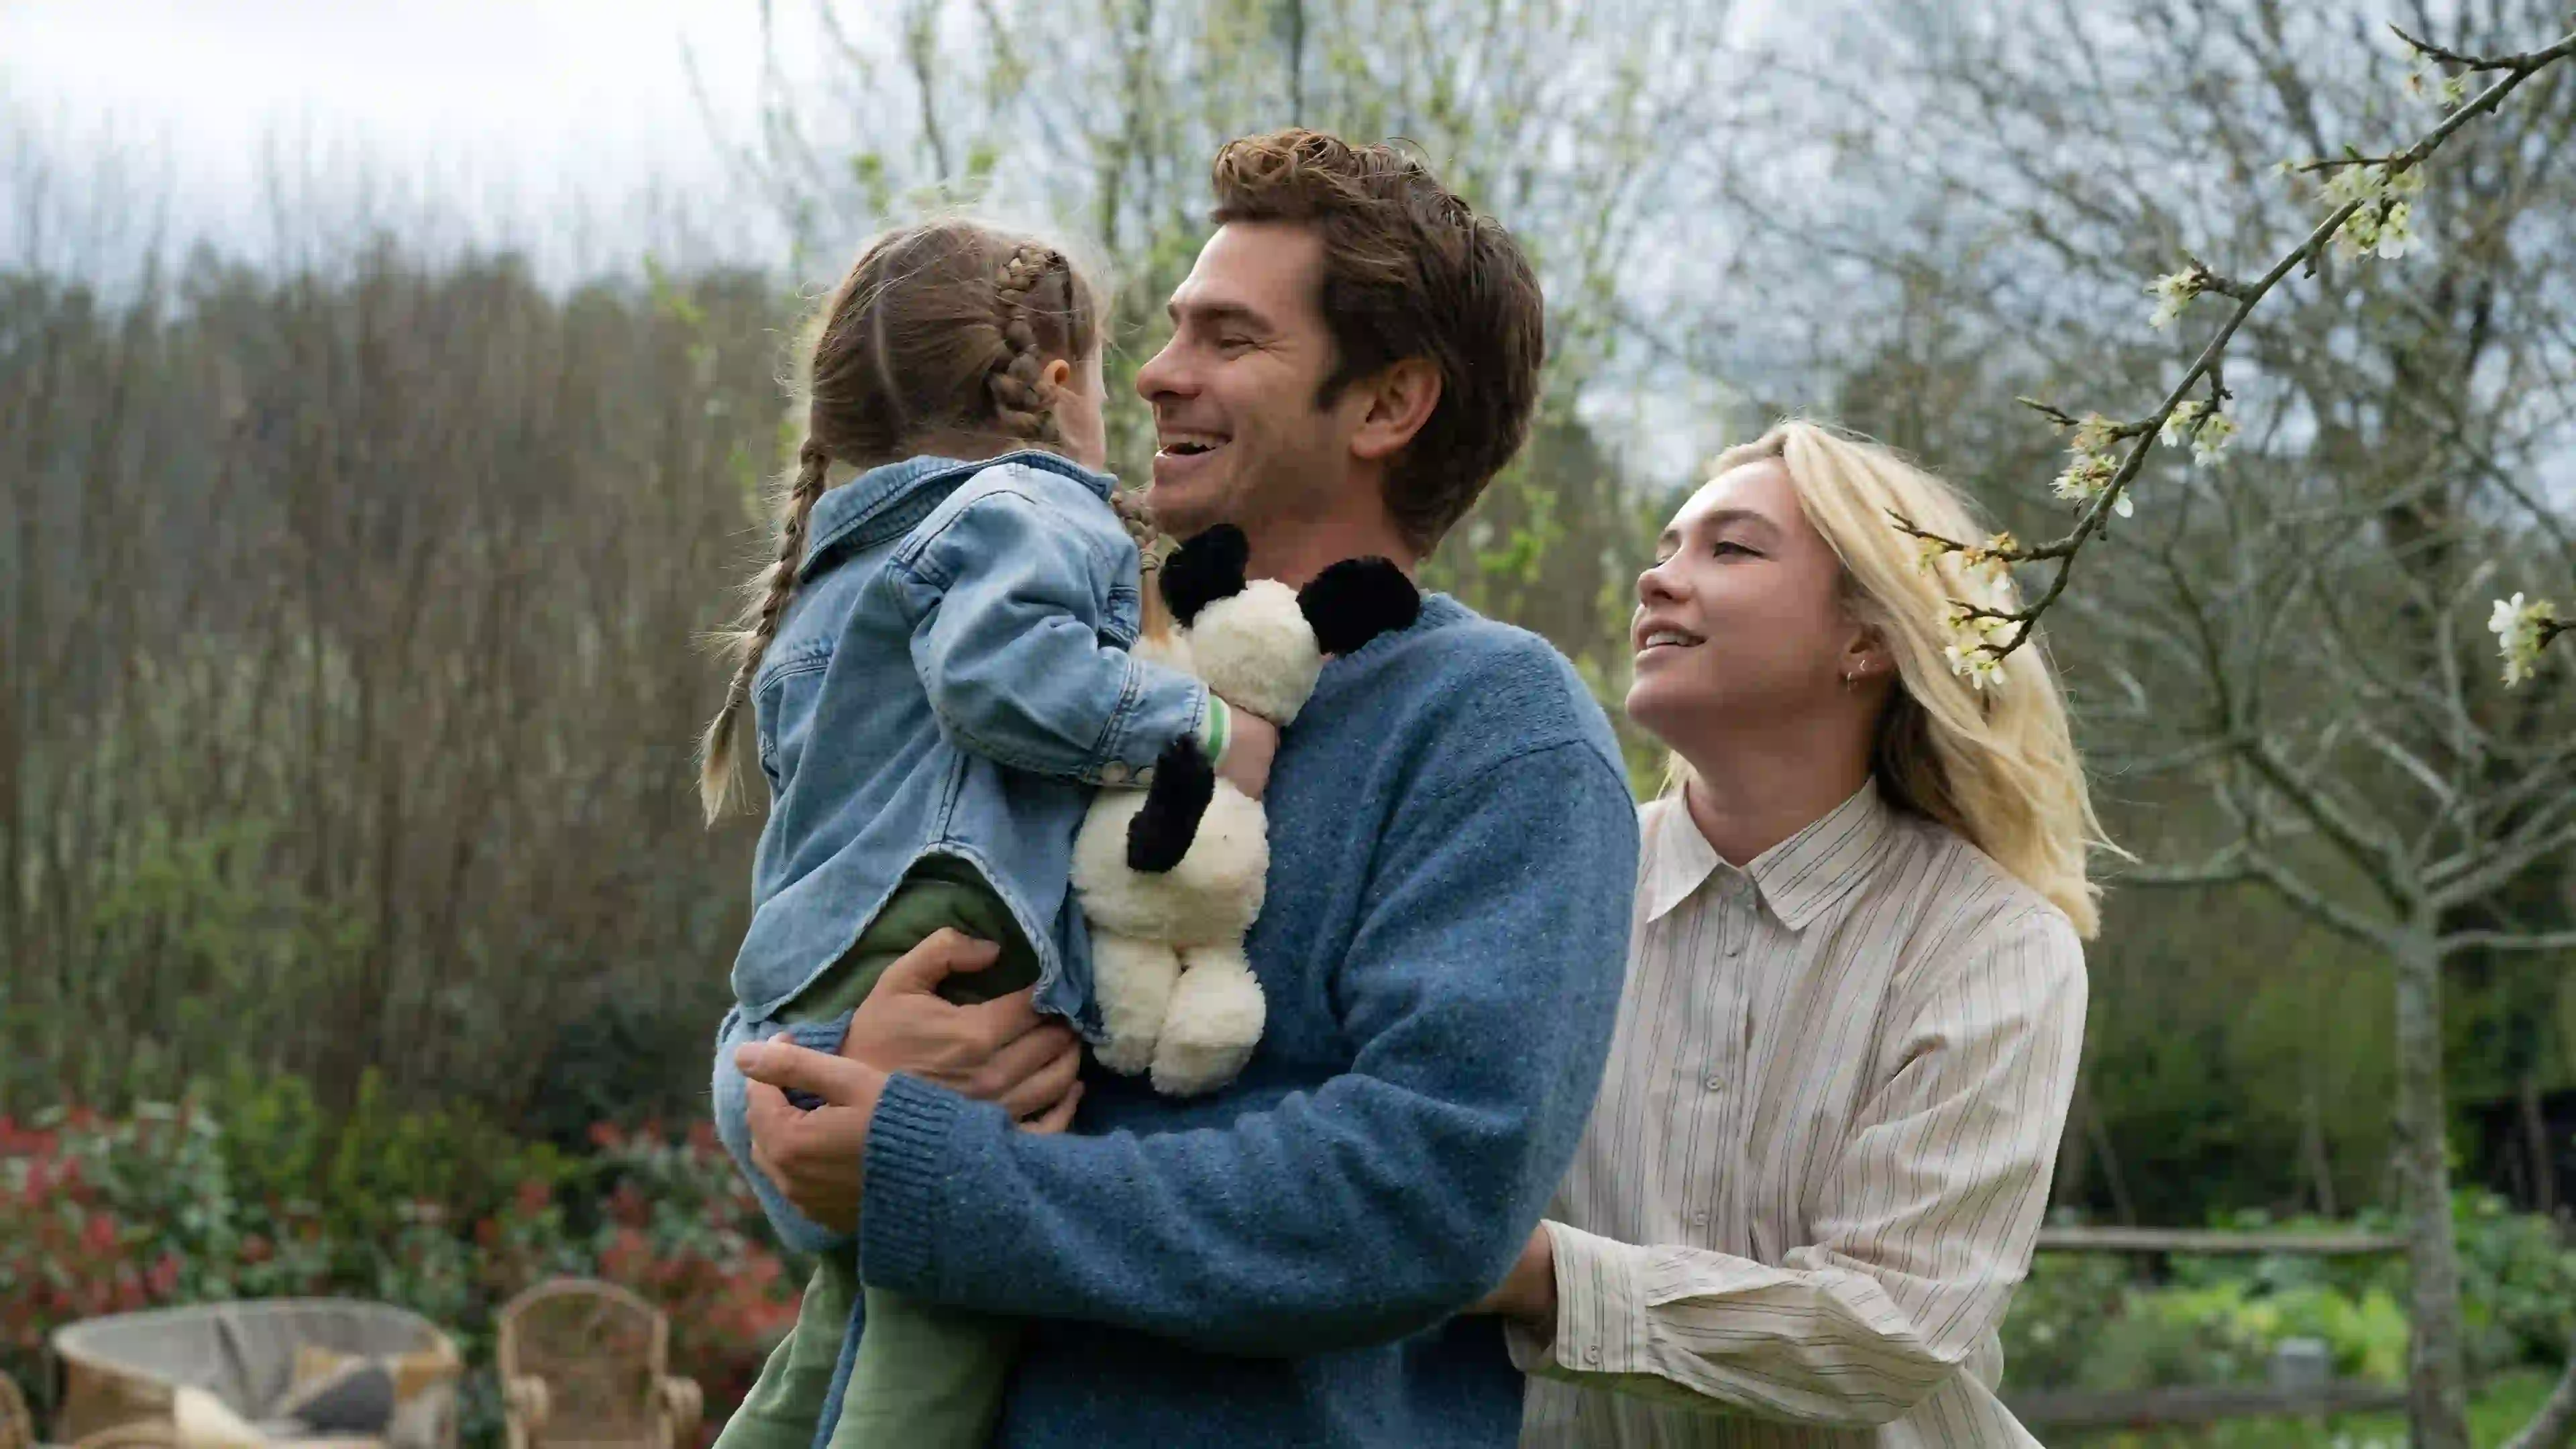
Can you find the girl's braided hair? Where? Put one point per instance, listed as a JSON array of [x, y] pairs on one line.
[[937, 340]]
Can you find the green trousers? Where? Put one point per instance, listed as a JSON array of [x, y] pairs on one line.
[[925, 1376]]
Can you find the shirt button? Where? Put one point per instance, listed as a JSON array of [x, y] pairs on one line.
[[1699, 1220], [1592, 1355], [1735, 948], [1716, 1084], [1113, 773]]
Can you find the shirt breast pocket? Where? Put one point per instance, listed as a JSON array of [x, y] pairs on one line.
[[1125, 616], [784, 703]]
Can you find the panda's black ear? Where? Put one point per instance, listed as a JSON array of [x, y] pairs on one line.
[[1356, 600], [1163, 827], [1205, 568]]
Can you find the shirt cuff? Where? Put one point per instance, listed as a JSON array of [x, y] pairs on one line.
[[1600, 1310], [900, 1201]]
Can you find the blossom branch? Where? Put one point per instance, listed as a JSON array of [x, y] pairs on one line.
[[2370, 213]]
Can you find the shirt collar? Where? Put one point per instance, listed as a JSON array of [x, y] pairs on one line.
[[1798, 878], [872, 503]]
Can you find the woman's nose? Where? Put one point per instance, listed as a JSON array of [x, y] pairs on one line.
[[1654, 588]]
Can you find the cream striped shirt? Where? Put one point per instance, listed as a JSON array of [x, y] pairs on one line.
[[1821, 1152]]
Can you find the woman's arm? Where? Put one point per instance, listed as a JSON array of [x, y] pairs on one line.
[[1925, 1225]]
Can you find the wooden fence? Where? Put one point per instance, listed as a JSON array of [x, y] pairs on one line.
[[2061, 1413]]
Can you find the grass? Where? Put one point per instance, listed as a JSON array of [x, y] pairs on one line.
[[2501, 1406]]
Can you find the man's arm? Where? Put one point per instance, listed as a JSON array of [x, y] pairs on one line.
[[1481, 990], [1924, 1227]]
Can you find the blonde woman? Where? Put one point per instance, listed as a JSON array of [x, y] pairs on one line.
[[1854, 1001]]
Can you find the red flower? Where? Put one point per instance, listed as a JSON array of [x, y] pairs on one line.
[[256, 1249], [603, 1135], [702, 1136], [98, 1235], [164, 1277], [534, 1195]]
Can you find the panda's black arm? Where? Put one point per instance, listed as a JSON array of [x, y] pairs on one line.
[[1183, 784]]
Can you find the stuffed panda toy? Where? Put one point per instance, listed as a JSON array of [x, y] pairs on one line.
[[1170, 877]]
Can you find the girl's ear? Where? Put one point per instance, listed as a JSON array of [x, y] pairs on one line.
[[1054, 376]]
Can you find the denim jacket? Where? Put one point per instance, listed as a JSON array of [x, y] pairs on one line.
[[949, 678]]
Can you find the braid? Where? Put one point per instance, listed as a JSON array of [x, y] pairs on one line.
[[718, 777], [1020, 396]]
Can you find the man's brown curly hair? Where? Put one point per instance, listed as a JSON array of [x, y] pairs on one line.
[[1410, 270]]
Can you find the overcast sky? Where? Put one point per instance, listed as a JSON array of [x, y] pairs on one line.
[[501, 106]]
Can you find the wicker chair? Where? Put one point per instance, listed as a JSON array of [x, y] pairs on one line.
[[584, 1363], [17, 1427]]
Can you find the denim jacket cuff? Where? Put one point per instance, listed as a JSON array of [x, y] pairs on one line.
[[1161, 707]]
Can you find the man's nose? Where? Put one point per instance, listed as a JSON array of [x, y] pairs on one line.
[[1654, 588], [1163, 374]]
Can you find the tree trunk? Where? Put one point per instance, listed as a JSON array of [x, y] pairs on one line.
[[2437, 1406]]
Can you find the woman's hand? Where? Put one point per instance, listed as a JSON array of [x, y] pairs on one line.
[[1527, 1293]]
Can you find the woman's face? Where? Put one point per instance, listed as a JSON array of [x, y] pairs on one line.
[[1741, 617]]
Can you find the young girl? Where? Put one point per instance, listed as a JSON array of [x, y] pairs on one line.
[[935, 671]]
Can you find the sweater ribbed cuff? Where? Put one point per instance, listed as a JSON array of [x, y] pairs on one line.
[[907, 1138]]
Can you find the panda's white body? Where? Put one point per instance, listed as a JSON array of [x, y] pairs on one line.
[[1176, 995]]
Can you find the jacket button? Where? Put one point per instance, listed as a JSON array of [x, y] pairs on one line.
[[1113, 773]]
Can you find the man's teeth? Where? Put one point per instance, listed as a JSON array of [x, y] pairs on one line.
[[1668, 636], [1189, 446]]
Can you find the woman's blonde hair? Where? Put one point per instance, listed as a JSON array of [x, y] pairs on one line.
[[1996, 764]]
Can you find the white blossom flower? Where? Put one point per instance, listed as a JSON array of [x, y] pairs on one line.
[[1928, 551], [1973, 638], [2183, 422], [2093, 435], [2173, 292], [2395, 233], [2455, 89], [2521, 628], [2209, 443], [2087, 477]]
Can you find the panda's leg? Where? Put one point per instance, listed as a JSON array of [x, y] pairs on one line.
[[1215, 1022], [1132, 980]]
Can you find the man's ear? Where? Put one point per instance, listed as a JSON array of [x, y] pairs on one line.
[[1401, 398]]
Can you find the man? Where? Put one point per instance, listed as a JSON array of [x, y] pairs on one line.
[[1355, 355]]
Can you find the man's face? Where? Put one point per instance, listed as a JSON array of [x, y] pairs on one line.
[[1742, 615], [1239, 437]]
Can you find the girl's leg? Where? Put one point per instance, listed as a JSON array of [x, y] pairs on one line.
[[785, 1406], [927, 1377]]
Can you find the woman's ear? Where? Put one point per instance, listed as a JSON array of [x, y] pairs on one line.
[[1053, 377], [1400, 400], [1866, 655]]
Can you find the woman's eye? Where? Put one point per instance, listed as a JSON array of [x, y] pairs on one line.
[[1725, 546]]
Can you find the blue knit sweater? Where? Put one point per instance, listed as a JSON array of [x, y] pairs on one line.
[[1453, 852]]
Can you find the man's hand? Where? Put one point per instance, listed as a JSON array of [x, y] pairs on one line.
[[813, 1156], [997, 1051], [1527, 1294]]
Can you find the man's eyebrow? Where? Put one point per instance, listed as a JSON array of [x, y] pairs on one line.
[[1217, 313]]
